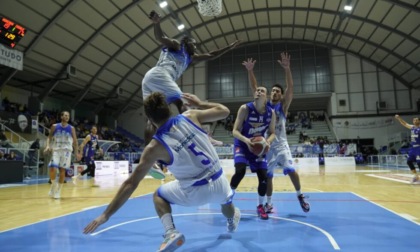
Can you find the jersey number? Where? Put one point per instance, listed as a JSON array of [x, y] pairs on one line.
[[205, 161]]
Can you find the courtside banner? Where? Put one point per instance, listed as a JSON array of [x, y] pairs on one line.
[[11, 58], [340, 161]]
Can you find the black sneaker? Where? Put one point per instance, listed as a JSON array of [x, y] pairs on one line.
[[305, 205]]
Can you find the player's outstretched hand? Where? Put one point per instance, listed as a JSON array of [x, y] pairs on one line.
[[154, 16], [249, 64], [284, 60], [95, 224]]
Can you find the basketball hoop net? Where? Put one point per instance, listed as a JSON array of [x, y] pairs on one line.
[[209, 8]]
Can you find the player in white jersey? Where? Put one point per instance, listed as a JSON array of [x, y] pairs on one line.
[[279, 155], [184, 146], [62, 140], [174, 59]]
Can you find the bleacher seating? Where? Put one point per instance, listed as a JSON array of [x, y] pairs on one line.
[[319, 128], [221, 134]]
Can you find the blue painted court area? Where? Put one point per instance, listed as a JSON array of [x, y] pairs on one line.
[[336, 222]]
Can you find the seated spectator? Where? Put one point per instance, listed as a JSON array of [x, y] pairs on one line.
[[33, 149], [11, 156], [3, 139]]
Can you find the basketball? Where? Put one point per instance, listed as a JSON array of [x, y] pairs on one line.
[[260, 146]]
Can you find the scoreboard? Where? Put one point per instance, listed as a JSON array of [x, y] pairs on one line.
[[10, 32]]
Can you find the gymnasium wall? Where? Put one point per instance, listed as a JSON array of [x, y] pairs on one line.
[[358, 86]]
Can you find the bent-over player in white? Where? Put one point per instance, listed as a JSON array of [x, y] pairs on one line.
[[184, 146]]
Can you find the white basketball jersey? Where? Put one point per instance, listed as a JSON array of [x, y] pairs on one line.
[[281, 137], [176, 62], [193, 157], [62, 137]]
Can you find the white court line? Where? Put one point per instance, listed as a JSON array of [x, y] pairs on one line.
[[330, 238], [408, 217], [88, 208], [11, 185], [373, 171], [402, 215], [392, 179], [313, 189]]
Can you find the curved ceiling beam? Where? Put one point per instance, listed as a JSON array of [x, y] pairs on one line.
[[85, 90], [405, 5], [35, 41], [50, 87], [331, 45], [350, 16], [390, 29], [241, 13]]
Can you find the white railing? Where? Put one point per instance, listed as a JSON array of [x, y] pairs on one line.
[[330, 126], [16, 140], [388, 161], [43, 130]]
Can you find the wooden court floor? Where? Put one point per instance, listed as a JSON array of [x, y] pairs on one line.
[[28, 204]]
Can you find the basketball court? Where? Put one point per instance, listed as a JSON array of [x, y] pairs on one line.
[[338, 220]]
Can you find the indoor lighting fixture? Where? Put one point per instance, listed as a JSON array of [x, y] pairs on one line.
[[348, 7], [181, 27], [163, 4]]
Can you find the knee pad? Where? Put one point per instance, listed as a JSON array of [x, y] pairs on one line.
[[240, 170], [286, 171]]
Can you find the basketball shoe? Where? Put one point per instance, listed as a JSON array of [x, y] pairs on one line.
[[233, 223], [415, 179], [261, 212], [268, 208], [173, 240], [75, 178], [305, 205]]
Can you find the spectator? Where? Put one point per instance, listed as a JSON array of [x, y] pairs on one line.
[[11, 156], [33, 150], [3, 139]]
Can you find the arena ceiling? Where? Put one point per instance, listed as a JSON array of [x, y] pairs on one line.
[[111, 42]]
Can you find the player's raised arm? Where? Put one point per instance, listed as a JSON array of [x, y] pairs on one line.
[[403, 123], [288, 92], [249, 65], [216, 53], [159, 35]]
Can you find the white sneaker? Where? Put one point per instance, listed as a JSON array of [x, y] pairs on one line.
[[75, 178], [51, 193], [57, 194], [172, 241], [231, 227], [415, 179]]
